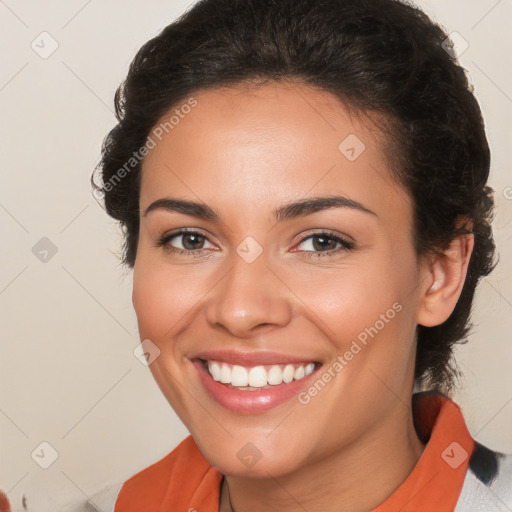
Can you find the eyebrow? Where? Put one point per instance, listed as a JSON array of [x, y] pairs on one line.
[[287, 211]]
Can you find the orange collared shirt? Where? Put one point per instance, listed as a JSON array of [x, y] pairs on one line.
[[184, 481]]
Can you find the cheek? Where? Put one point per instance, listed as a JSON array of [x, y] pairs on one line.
[[163, 296], [344, 301], [367, 312]]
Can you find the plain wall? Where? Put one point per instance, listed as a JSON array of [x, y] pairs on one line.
[[67, 369]]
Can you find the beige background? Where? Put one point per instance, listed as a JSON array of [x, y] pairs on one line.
[[67, 369]]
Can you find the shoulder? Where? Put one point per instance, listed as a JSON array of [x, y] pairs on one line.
[[488, 482], [184, 468]]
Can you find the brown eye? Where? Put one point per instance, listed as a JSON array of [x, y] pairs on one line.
[[185, 242], [321, 243], [192, 241], [324, 244]]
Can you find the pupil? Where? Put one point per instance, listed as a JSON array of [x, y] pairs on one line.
[[320, 246], [191, 246]]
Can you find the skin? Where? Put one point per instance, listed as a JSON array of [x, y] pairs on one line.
[[245, 152]]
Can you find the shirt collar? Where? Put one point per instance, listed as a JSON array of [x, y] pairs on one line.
[[436, 481]]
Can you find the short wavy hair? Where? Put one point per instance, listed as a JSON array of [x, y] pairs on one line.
[[385, 57]]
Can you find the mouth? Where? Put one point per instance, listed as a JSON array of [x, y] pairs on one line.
[[254, 389], [254, 378]]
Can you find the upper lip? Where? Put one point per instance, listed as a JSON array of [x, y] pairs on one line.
[[250, 358]]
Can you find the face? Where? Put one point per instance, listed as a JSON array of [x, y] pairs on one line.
[[275, 246]]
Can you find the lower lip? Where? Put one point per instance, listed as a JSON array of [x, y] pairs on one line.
[[250, 402]]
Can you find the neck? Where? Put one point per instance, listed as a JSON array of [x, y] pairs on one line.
[[356, 478]]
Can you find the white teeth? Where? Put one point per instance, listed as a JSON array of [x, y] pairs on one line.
[[257, 376], [239, 376], [214, 370], [225, 374], [299, 373], [288, 373], [275, 375], [309, 368]]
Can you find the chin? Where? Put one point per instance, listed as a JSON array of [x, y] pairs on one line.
[[249, 461]]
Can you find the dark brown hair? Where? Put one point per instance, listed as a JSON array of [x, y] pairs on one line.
[[379, 56]]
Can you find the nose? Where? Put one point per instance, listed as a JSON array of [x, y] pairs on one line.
[[248, 299]]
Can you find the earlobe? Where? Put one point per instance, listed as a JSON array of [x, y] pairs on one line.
[[444, 279]]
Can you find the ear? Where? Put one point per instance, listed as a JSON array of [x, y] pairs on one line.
[[443, 277]]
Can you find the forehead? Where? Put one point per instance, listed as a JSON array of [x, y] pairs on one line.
[[276, 142]]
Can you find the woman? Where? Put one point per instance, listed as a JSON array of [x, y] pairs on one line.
[[302, 186]]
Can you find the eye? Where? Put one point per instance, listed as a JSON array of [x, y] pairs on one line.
[[185, 242], [195, 243], [324, 244]]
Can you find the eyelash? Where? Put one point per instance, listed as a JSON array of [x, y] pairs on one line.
[[345, 244], [164, 243]]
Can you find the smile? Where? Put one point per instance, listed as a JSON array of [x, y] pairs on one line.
[[253, 389], [256, 377]]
